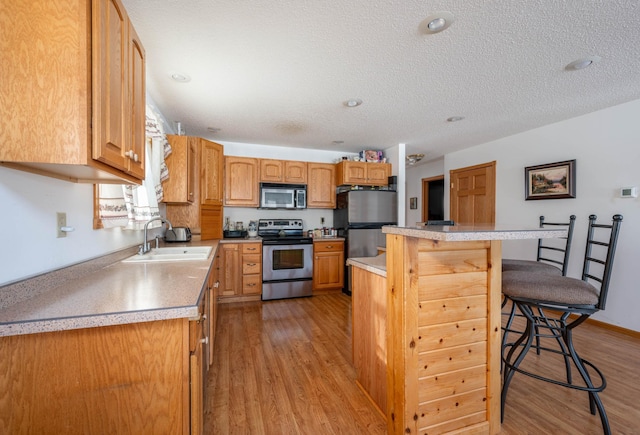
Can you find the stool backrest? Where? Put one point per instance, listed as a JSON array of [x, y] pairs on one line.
[[599, 253], [552, 251]]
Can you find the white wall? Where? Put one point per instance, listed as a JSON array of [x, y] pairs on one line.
[[606, 146], [28, 222], [415, 174]]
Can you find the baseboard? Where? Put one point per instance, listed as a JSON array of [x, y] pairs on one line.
[[614, 328]]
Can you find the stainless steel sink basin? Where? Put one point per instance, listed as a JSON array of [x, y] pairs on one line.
[[172, 254]]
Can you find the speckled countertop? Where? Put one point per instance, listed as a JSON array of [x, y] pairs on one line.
[[103, 292], [459, 233], [377, 265]]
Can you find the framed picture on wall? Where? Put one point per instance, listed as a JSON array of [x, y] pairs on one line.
[[550, 181]]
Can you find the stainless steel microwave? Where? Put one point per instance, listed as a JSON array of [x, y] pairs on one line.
[[291, 196]]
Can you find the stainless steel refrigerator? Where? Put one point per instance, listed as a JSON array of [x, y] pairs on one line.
[[359, 217]]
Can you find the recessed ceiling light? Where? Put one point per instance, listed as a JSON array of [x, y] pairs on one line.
[[582, 63], [182, 78], [437, 22], [455, 118], [354, 102]]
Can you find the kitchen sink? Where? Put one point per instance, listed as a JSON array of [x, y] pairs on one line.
[[172, 254]]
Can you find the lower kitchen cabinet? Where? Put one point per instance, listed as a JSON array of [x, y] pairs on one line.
[[328, 265], [241, 271], [135, 378]]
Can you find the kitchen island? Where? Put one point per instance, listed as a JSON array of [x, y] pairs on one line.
[[442, 323], [108, 347]]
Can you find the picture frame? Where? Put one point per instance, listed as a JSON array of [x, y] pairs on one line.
[[550, 181], [413, 203]]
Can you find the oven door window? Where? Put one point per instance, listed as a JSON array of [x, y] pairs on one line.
[[285, 259]]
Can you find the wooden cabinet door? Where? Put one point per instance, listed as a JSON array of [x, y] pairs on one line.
[[321, 188], [211, 169], [241, 181], [378, 174], [110, 93], [181, 163], [328, 270], [118, 90], [295, 172], [214, 284], [197, 375], [328, 265], [352, 173], [231, 283], [137, 115], [271, 171]]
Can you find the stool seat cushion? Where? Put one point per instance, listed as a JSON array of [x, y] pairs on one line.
[[530, 266], [557, 290]]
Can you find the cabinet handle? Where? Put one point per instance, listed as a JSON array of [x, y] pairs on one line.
[[251, 249], [251, 264], [329, 246], [217, 284], [135, 157], [129, 154], [204, 340], [251, 285], [190, 193]]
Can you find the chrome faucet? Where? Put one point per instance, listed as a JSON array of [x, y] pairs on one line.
[[145, 243]]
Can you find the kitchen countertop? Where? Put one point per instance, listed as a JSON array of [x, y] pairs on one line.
[[247, 239], [377, 265], [457, 233], [103, 292]]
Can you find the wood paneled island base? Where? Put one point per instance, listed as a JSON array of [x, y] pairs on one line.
[[443, 328]]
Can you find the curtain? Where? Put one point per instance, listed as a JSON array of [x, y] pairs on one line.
[[131, 207]]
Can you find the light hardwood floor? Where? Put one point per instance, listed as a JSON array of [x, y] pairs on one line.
[[284, 367]]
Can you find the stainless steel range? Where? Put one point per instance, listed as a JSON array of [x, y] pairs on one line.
[[287, 259]]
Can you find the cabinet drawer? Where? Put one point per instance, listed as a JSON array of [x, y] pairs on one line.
[[251, 248], [252, 284], [251, 264], [328, 246]]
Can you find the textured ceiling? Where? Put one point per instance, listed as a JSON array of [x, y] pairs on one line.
[[277, 72]]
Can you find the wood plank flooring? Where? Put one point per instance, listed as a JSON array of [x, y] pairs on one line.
[[284, 367]]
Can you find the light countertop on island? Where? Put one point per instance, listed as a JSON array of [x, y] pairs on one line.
[[459, 233]]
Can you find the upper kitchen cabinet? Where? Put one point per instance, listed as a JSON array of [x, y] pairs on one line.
[[241, 181], [283, 171], [73, 91], [321, 189], [363, 173], [180, 186], [193, 192], [212, 168]]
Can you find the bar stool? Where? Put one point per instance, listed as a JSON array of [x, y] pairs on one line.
[[551, 254], [572, 301]]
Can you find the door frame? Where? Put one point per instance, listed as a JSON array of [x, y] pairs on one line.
[[425, 195]]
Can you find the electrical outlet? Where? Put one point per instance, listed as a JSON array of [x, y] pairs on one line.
[[61, 221], [322, 221]]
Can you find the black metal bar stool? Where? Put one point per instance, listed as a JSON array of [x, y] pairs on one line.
[[568, 303], [551, 254]]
